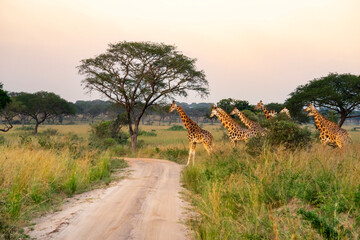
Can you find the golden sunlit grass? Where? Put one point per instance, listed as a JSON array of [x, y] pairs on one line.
[[38, 171]]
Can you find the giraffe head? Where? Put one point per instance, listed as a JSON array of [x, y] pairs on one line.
[[234, 111], [311, 108], [286, 111], [260, 105], [173, 107], [272, 113], [213, 111]]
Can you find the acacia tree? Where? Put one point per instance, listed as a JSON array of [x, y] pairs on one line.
[[41, 106], [228, 104], [137, 75], [338, 92]]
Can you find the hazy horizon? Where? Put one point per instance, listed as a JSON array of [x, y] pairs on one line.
[[250, 50]]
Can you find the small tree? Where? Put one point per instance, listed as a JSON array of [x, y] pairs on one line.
[[337, 92], [228, 104], [275, 106], [137, 75], [41, 106], [5, 113]]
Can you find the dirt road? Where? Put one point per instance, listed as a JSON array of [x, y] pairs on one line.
[[144, 205]]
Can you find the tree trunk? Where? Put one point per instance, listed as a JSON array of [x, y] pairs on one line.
[[133, 141], [22, 121], [36, 127], [342, 119], [135, 135]]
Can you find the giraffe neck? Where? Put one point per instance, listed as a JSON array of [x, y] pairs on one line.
[[188, 123], [266, 112], [247, 122], [227, 121], [319, 120], [288, 114]]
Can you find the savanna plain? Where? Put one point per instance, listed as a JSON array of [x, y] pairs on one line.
[[308, 193]]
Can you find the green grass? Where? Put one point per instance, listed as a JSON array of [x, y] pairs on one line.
[[312, 194]]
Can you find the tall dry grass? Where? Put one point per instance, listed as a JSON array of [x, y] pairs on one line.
[[37, 172]]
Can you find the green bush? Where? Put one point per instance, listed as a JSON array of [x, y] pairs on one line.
[[145, 133], [25, 140], [320, 224], [101, 130], [280, 133], [176, 128], [175, 154], [45, 142], [2, 140], [25, 128], [106, 134]]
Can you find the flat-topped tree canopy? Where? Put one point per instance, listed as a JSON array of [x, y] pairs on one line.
[[137, 75], [41, 106], [338, 92]]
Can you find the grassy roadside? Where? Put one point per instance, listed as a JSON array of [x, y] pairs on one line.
[[38, 172], [312, 194]]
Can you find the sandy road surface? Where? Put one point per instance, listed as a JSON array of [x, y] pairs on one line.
[[144, 205]]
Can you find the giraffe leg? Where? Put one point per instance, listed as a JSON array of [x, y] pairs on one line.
[[208, 147], [191, 152], [339, 142]]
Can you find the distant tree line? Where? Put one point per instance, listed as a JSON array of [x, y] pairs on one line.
[[337, 97], [39, 107]]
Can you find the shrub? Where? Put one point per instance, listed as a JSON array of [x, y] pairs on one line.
[[25, 128], [320, 224], [289, 134], [145, 133], [107, 133], [101, 130], [45, 142], [280, 133], [2, 140], [25, 140], [175, 154], [176, 128], [250, 114]]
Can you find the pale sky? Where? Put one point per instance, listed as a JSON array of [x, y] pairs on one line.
[[249, 49]]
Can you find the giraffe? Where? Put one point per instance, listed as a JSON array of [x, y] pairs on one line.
[[286, 111], [330, 132], [195, 133], [236, 133], [273, 113], [253, 126], [261, 106]]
